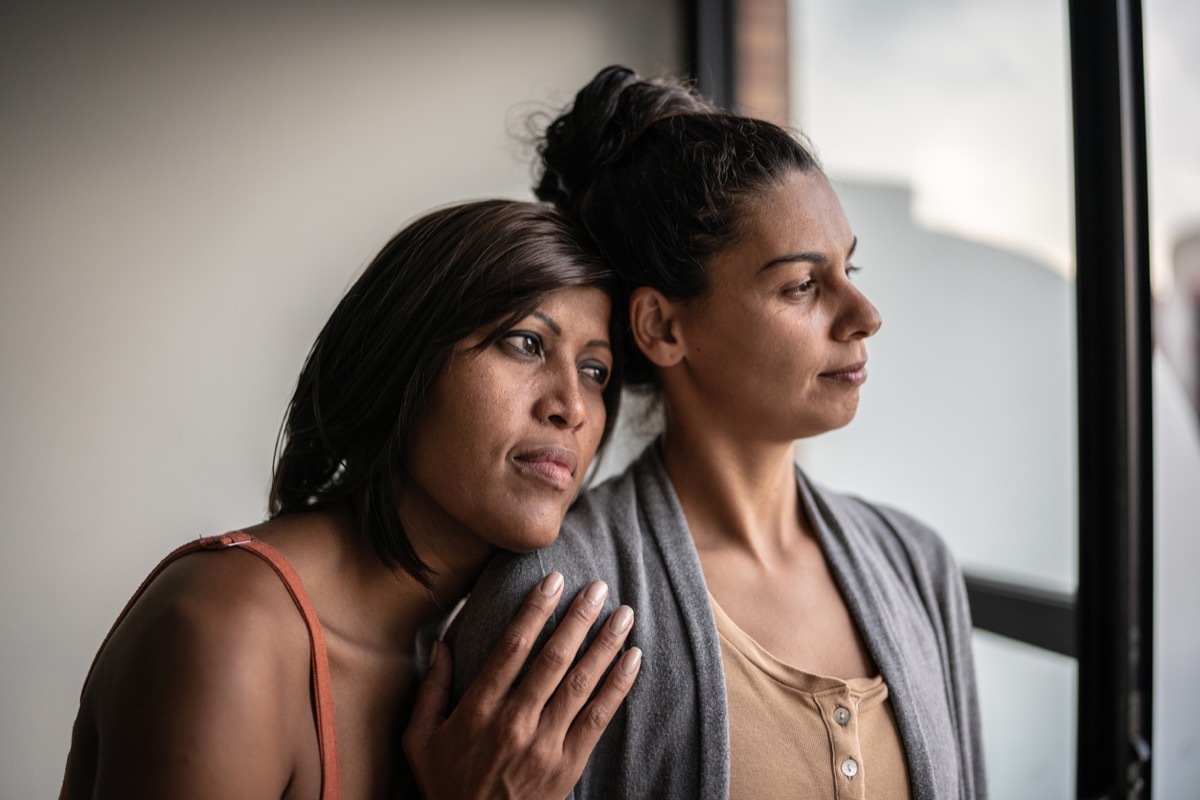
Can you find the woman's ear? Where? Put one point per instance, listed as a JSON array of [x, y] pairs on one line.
[[654, 321]]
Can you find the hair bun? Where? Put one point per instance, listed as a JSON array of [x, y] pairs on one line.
[[608, 116]]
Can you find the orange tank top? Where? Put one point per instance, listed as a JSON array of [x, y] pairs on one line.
[[321, 684]]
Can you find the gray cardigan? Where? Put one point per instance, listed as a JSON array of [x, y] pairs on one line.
[[671, 739]]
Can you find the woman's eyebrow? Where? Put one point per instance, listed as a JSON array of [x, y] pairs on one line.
[[806, 256], [556, 329], [551, 324], [792, 258]]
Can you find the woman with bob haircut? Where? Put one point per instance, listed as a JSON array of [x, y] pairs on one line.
[[450, 407], [799, 642]]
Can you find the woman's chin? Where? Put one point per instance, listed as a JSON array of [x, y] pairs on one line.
[[809, 428], [530, 536]]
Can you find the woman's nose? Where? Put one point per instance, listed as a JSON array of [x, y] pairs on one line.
[[859, 318], [561, 404]]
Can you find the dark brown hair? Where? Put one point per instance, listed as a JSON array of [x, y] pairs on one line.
[[450, 274], [658, 177]]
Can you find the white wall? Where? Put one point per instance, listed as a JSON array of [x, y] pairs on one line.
[[187, 190]]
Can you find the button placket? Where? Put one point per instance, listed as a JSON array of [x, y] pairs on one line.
[[840, 712]]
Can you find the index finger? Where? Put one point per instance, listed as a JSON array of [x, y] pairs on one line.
[[547, 670], [508, 655]]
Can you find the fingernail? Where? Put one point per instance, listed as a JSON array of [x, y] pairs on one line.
[[551, 584], [631, 660], [596, 592], [434, 654], [621, 619]]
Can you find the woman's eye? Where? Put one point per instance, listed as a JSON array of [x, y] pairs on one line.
[[851, 269], [801, 288], [597, 373], [525, 343]]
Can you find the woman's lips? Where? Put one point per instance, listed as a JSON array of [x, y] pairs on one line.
[[553, 465], [854, 374]]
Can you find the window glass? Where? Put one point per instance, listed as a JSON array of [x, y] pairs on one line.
[[1026, 689], [945, 127], [1172, 54]]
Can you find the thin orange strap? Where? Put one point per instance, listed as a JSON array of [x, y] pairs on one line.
[[321, 683]]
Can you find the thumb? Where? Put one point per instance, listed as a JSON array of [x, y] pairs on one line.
[[433, 698]]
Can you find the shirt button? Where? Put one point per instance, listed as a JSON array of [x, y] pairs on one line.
[[841, 715], [849, 767]]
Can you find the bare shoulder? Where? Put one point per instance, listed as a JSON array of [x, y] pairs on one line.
[[202, 689], [212, 611]]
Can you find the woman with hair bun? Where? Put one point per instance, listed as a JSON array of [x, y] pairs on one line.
[[450, 407], [799, 642]]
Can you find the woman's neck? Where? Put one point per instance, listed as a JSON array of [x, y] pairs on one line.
[[386, 607], [734, 493], [454, 555]]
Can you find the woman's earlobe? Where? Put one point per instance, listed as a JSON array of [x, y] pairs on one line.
[[655, 324]]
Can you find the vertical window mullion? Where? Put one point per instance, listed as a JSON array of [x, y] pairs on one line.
[[1115, 464]]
